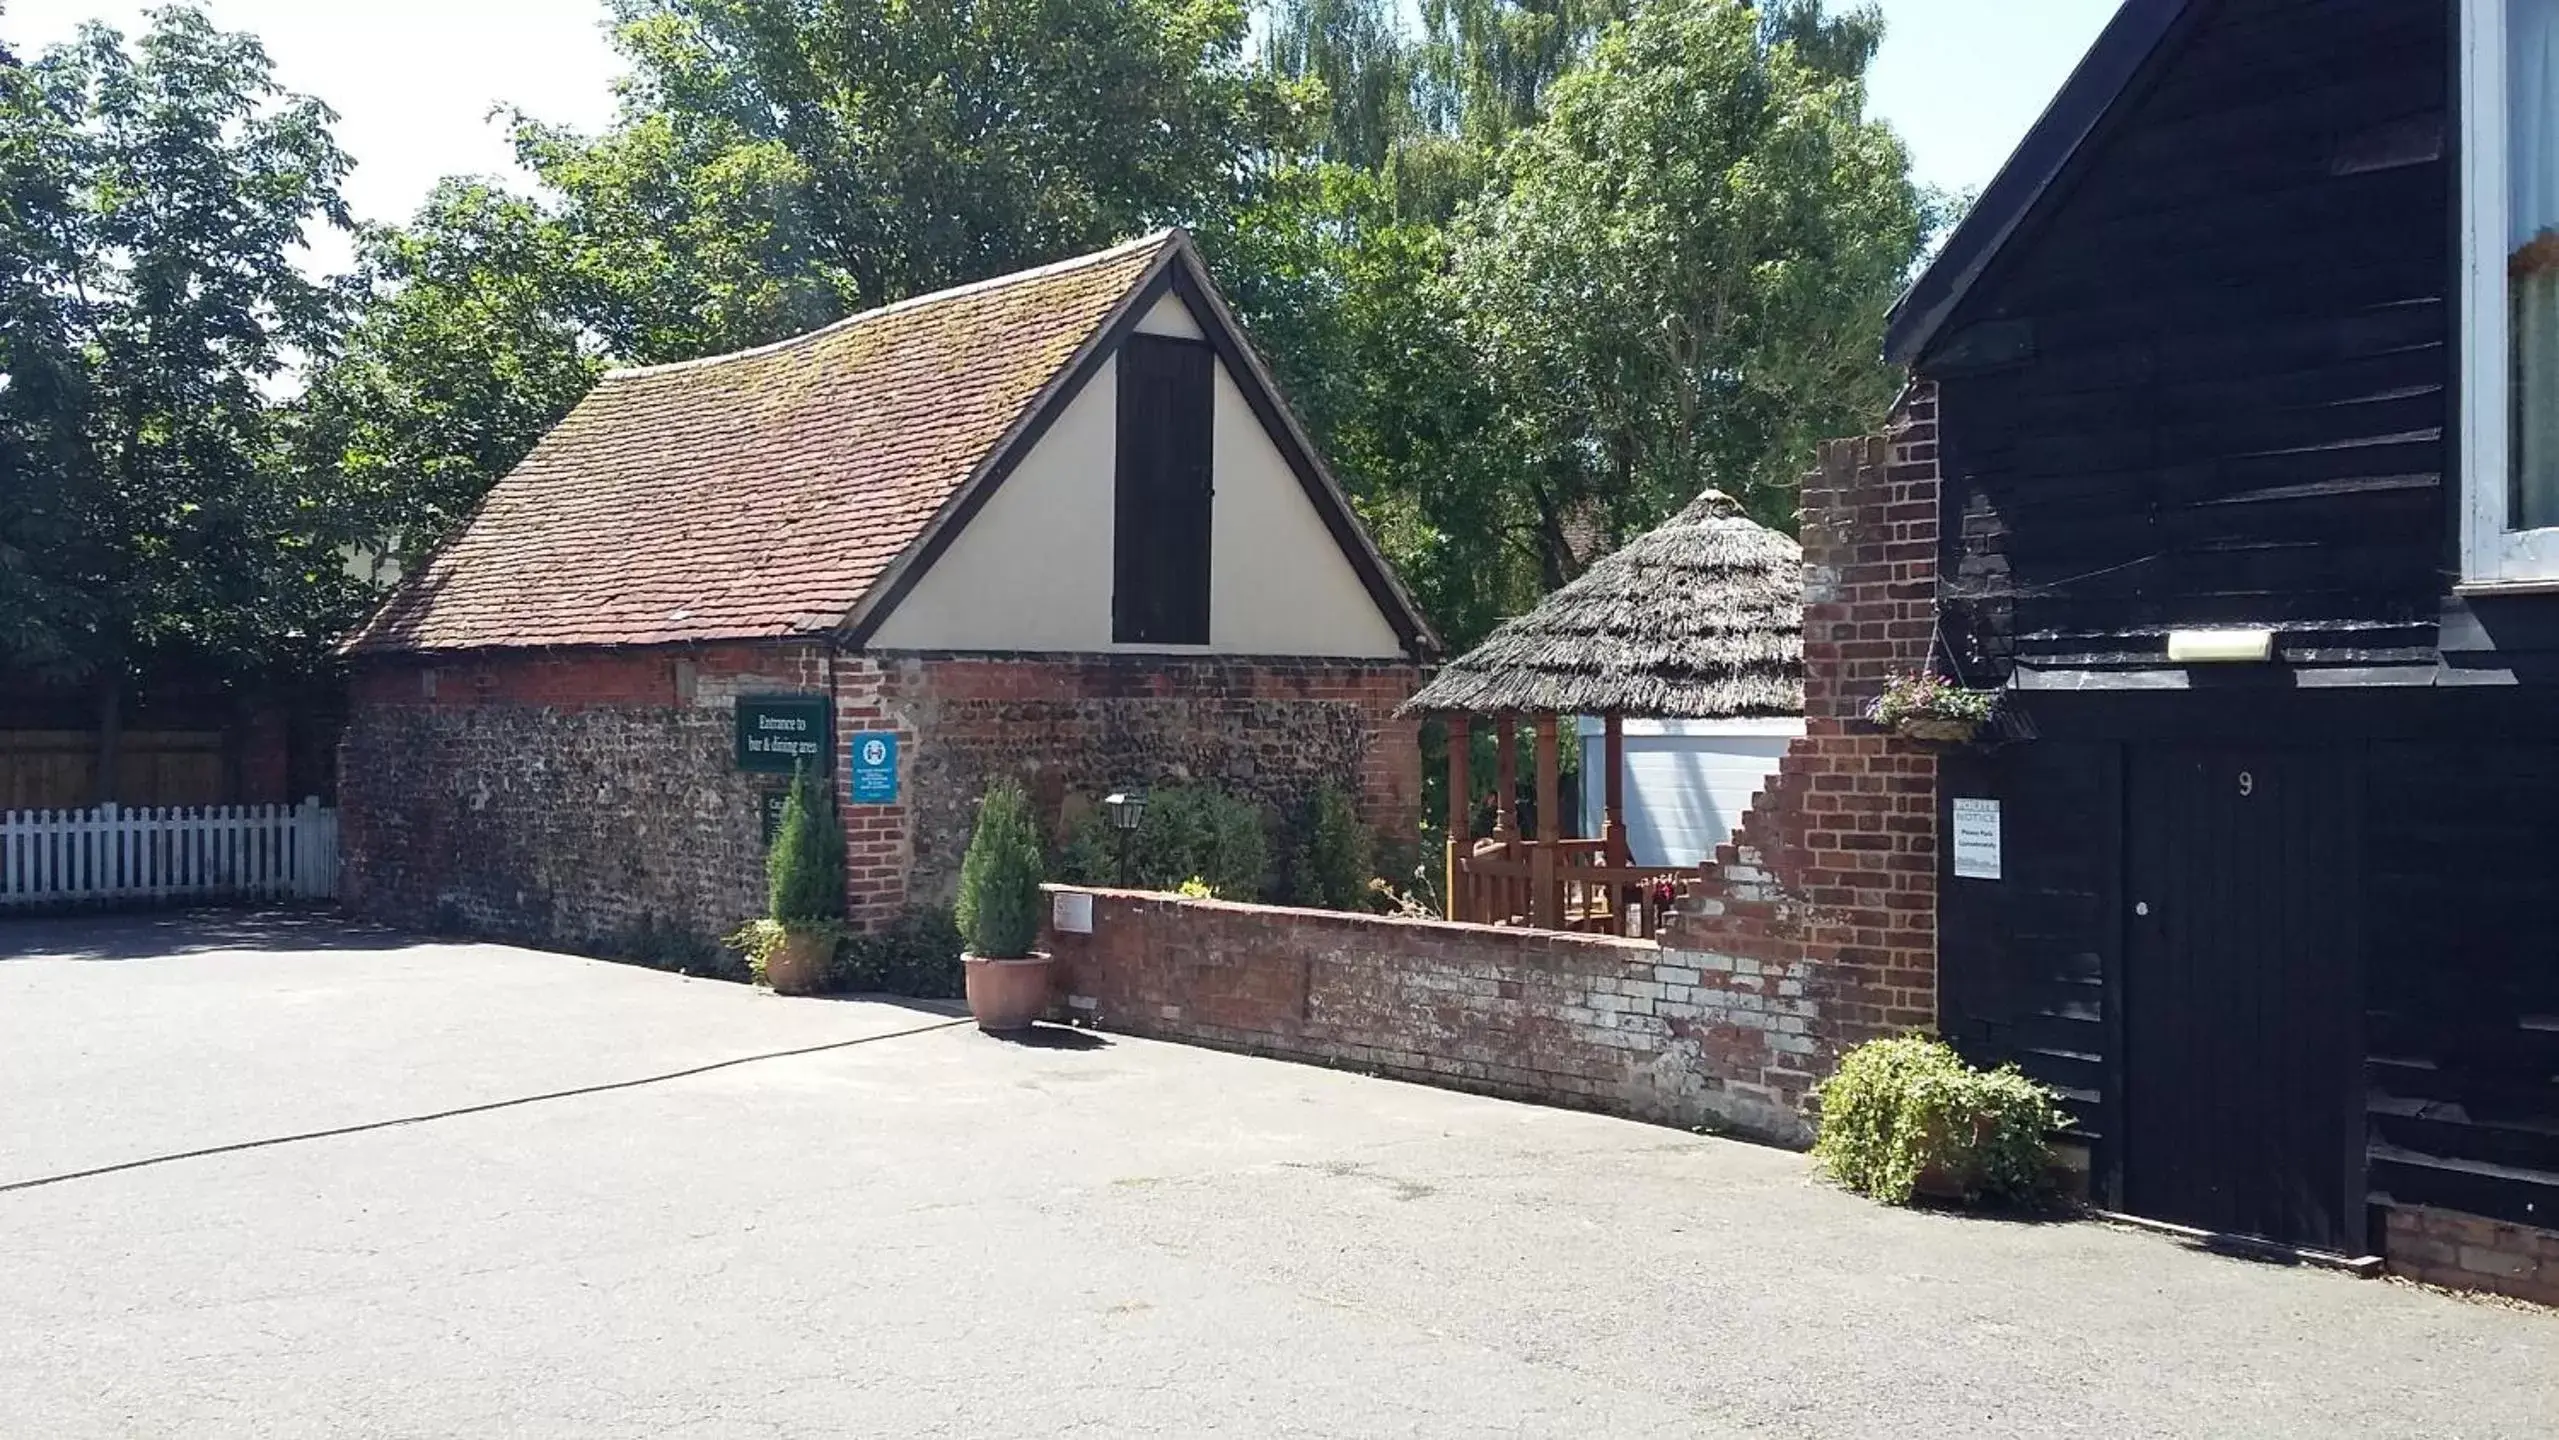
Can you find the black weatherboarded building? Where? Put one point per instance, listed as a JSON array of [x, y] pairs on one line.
[[2247, 371]]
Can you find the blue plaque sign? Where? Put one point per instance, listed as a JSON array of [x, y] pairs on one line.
[[875, 767]]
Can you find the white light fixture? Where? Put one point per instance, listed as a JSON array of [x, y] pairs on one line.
[[2220, 647]]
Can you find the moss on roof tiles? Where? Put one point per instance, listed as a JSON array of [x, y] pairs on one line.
[[759, 494]]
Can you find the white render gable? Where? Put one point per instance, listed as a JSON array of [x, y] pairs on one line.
[[1033, 570]]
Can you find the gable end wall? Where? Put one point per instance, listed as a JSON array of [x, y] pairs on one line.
[[1033, 570]]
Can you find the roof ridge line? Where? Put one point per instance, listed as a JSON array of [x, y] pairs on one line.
[[954, 292]]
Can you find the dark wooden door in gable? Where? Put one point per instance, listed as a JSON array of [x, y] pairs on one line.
[[2243, 1077], [1165, 491]]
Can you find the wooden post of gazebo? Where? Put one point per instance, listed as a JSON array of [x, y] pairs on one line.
[[1506, 776], [1546, 900], [1461, 810], [1613, 788]]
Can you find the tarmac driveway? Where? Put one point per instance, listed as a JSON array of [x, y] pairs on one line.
[[923, 1231]]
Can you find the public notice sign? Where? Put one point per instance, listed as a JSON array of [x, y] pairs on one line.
[[1976, 839], [775, 733]]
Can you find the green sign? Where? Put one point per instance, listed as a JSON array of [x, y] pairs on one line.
[[771, 805], [778, 732]]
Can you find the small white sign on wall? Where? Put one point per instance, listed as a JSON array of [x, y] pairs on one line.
[[1071, 913], [1976, 839]]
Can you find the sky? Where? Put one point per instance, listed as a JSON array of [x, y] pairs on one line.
[[413, 81]]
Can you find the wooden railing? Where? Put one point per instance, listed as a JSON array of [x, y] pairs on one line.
[[1568, 885]]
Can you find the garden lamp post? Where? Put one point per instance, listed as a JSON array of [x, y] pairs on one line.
[[1126, 809]]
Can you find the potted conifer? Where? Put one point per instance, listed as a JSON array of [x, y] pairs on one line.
[[999, 914], [804, 894]]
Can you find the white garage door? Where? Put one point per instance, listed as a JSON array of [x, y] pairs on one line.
[[1687, 781]]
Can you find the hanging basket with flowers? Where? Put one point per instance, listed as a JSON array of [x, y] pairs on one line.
[[1920, 706]]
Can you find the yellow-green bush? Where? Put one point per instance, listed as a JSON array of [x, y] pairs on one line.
[[1899, 1110]]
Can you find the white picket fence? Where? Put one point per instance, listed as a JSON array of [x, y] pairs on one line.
[[212, 852]]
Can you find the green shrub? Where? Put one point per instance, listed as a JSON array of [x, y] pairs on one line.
[[1189, 832], [804, 873], [1085, 853], [1334, 858], [1200, 832], [1902, 1109], [999, 909], [919, 957], [755, 941], [663, 947]]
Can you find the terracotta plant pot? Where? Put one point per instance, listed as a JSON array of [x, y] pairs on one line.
[[1937, 731], [1953, 1182], [797, 966], [1006, 995]]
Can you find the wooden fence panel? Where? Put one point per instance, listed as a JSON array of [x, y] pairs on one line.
[[59, 768]]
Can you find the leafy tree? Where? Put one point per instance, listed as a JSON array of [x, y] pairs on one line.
[[1681, 275], [469, 349], [1842, 45], [1670, 272], [157, 196], [48, 612], [1357, 51], [1489, 63], [779, 165]]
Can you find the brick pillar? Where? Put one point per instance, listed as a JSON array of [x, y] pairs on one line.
[[1829, 886], [878, 842]]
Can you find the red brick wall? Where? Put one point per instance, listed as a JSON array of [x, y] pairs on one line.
[[2466, 1252], [572, 680], [1832, 875], [878, 850], [1595, 1023], [1075, 728]]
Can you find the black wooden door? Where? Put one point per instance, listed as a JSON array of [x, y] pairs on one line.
[[2241, 991], [1166, 492]]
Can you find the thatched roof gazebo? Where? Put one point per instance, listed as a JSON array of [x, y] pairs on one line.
[[1700, 619]]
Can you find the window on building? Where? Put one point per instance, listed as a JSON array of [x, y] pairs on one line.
[[1165, 492], [2510, 291]]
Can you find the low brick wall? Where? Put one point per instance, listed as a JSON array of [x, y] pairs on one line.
[[2468, 1252], [1624, 1026]]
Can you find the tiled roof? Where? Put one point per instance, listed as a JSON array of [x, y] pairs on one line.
[[757, 494]]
